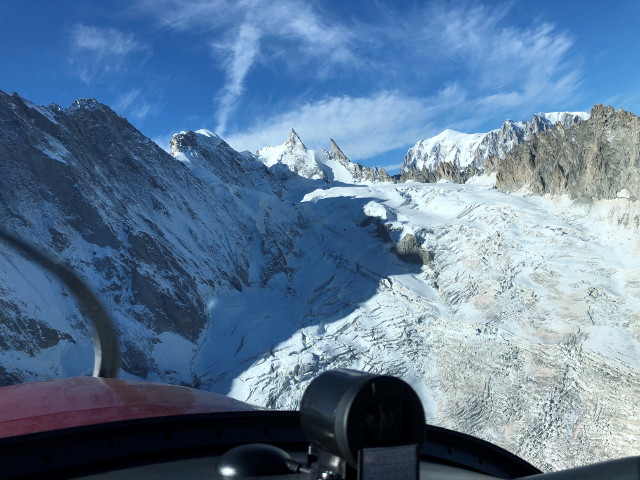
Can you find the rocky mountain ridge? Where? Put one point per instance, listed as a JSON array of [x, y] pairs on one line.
[[293, 157], [593, 160], [451, 155], [142, 227], [472, 151]]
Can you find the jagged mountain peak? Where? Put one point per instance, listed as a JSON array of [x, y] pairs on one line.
[[464, 150], [294, 136], [601, 111], [87, 104], [335, 149], [293, 158], [294, 142]]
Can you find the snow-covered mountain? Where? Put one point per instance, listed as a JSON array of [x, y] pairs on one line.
[[154, 236], [292, 157], [465, 149], [515, 317]]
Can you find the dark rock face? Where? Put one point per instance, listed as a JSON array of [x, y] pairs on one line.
[[595, 159], [151, 235], [33, 334], [469, 153], [410, 250]]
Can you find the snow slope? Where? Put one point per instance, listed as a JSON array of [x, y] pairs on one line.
[[523, 330]]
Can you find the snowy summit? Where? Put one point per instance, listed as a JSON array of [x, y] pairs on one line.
[[465, 149], [293, 158]]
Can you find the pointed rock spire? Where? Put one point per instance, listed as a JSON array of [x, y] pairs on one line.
[[339, 154], [294, 140], [336, 150]]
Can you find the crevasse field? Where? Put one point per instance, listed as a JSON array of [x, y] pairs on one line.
[[524, 329]]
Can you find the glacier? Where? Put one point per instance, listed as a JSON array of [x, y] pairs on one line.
[[523, 330]]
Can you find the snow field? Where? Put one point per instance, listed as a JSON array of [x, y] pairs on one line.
[[527, 310]]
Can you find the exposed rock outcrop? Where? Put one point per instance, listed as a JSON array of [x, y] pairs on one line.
[[465, 149], [410, 250], [444, 171], [595, 159]]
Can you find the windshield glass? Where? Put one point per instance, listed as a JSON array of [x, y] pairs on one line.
[[257, 193]]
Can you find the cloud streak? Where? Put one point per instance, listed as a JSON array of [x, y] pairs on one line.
[[134, 104], [401, 59], [96, 52], [250, 29], [362, 126], [243, 53], [500, 69]]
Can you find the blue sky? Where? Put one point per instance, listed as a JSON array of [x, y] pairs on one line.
[[375, 76]]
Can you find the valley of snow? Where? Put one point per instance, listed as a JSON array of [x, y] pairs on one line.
[[524, 330]]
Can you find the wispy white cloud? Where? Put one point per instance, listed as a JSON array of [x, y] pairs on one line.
[[103, 42], [456, 67], [99, 51], [183, 15], [124, 100], [249, 28], [362, 126], [513, 66], [243, 52], [134, 104]]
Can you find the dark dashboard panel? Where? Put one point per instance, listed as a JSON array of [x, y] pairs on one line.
[[190, 445], [81, 450]]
